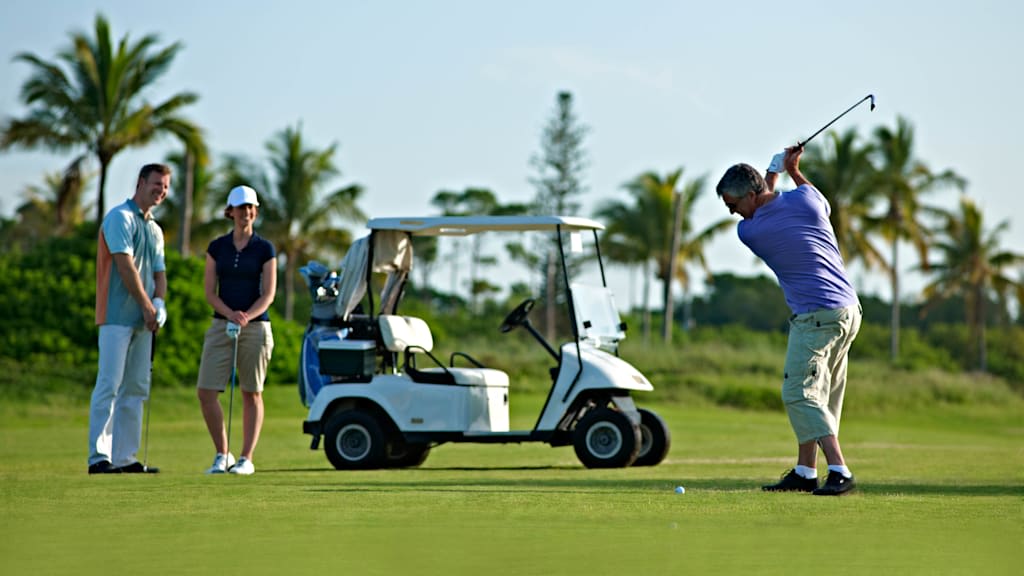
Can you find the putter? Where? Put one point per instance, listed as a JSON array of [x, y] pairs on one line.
[[859, 102], [233, 334]]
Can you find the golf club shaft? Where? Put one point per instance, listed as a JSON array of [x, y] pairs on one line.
[[823, 128], [231, 402], [149, 401]]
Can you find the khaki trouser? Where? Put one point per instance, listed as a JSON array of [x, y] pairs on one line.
[[814, 382], [255, 346]]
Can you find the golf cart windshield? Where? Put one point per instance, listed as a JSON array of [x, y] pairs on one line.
[[597, 318]]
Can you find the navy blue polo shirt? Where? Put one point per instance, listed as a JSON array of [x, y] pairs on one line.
[[239, 272]]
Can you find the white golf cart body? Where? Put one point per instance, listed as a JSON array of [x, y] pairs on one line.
[[382, 399]]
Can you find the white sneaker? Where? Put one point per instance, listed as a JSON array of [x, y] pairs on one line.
[[221, 463], [244, 467]]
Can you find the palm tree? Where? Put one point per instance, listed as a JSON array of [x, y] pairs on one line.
[[299, 221], [52, 209], [205, 209], [626, 242], [649, 229], [92, 99], [901, 180], [973, 265], [843, 172], [475, 202]]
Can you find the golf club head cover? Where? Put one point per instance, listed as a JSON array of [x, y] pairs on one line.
[[233, 330], [161, 311], [778, 163]]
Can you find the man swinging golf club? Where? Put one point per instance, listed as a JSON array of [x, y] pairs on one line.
[[792, 233], [239, 280]]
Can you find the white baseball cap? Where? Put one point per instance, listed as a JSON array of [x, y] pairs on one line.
[[240, 195]]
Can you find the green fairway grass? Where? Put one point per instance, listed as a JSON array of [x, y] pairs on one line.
[[941, 492]]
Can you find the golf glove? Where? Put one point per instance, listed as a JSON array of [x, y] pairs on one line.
[[161, 311], [233, 330], [778, 163]]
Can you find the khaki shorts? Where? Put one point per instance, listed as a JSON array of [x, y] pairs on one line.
[[814, 381], [255, 346]]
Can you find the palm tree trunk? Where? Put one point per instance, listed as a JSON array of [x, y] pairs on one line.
[[646, 318], [632, 286], [549, 309], [101, 206], [474, 298], [454, 258], [673, 254], [667, 308], [687, 309], [894, 328], [289, 287], [185, 231], [980, 329]]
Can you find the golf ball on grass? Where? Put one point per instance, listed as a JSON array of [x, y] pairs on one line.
[[680, 490]]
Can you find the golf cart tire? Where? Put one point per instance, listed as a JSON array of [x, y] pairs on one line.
[[405, 455], [354, 441], [606, 438], [655, 439]]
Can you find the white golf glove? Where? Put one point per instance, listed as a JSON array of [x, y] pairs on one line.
[[233, 330], [161, 311], [778, 164]]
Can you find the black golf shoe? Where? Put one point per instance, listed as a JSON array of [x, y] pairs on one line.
[[792, 482], [836, 485], [103, 467], [138, 468]]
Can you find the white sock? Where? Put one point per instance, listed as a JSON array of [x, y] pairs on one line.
[[841, 469], [806, 472]]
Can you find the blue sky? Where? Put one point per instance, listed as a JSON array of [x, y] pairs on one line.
[[422, 96]]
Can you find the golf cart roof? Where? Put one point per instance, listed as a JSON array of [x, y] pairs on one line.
[[466, 225]]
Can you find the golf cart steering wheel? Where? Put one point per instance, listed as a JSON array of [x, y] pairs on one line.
[[518, 316]]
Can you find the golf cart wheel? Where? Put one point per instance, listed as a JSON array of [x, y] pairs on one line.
[[354, 441], [407, 455], [605, 438], [655, 439]]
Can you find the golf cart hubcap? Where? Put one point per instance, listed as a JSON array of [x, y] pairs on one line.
[[353, 442], [604, 440]]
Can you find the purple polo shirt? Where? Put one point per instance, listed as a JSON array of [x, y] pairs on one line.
[[794, 237]]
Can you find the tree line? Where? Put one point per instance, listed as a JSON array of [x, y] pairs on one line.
[[92, 101]]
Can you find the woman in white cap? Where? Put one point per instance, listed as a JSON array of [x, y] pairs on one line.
[[240, 280]]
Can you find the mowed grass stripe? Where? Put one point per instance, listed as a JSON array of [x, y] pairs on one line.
[[941, 493]]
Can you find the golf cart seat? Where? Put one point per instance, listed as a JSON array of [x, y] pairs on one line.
[[411, 336]]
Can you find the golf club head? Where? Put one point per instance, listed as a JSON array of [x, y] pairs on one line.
[[872, 97], [233, 330]]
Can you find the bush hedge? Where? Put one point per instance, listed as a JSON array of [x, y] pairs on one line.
[[47, 298]]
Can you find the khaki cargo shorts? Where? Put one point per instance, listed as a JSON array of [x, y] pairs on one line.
[[255, 346], [814, 380]]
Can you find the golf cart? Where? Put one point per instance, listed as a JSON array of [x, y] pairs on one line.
[[380, 398]]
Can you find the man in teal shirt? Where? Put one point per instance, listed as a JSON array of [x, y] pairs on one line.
[[130, 287]]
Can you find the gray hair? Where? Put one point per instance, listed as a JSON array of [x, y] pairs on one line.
[[740, 180]]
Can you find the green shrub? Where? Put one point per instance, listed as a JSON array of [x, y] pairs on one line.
[[48, 297]]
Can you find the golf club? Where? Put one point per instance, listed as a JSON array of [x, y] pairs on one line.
[[149, 403], [859, 102], [232, 331]]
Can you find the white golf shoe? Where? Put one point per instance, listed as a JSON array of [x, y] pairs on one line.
[[221, 463], [243, 467]]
